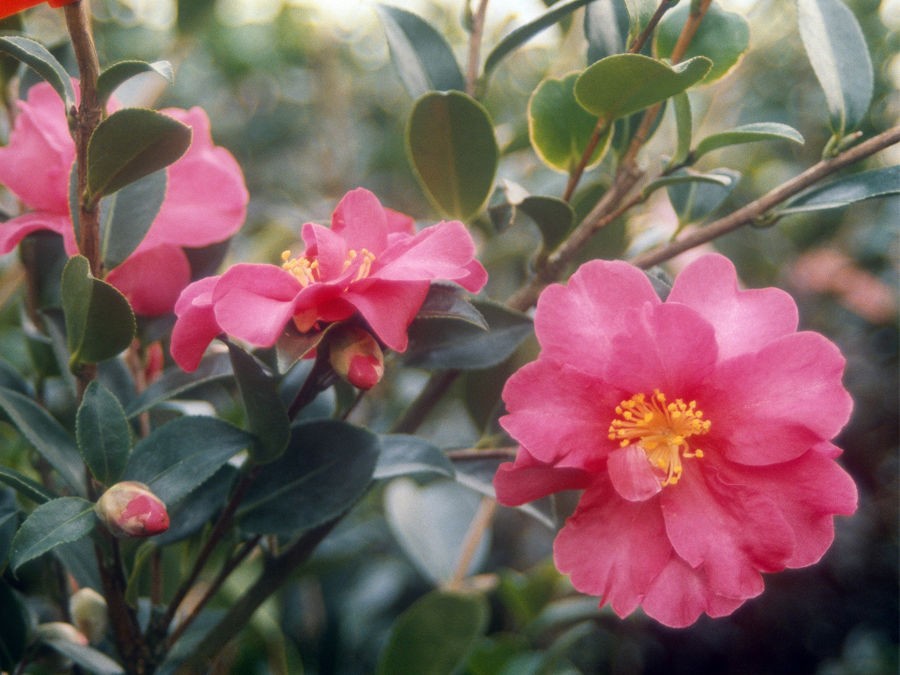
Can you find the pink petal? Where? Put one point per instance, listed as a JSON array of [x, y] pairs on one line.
[[399, 223], [773, 405], [254, 302], [196, 324], [329, 250], [743, 321], [14, 230], [152, 279], [360, 219], [560, 414], [527, 479], [612, 548], [632, 475], [575, 323], [389, 307]]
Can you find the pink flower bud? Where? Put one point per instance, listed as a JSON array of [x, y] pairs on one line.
[[129, 509], [89, 613], [59, 630], [12, 6], [356, 356]]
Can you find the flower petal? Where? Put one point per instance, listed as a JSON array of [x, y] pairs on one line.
[[328, 249], [389, 307], [14, 230], [361, 221], [527, 479], [632, 475], [149, 291], [196, 324]]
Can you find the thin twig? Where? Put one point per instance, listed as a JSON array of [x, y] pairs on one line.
[[475, 38], [480, 524], [640, 41]]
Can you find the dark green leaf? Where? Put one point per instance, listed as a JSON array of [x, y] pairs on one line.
[[47, 436], [626, 83], [640, 12], [326, 468], [402, 454], [10, 378], [35, 55], [723, 37], [449, 343], [266, 415], [684, 125], [446, 301], [748, 133], [25, 486], [175, 382], [435, 635], [9, 66], [117, 73], [190, 514], [180, 455], [126, 217], [13, 628], [553, 217], [51, 524], [836, 48], [130, 144], [9, 523], [422, 56], [451, 145], [697, 198], [516, 38], [606, 28], [688, 176], [844, 191], [90, 659], [559, 128], [103, 434], [99, 320]]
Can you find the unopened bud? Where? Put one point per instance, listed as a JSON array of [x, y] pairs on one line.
[[356, 356], [129, 509], [60, 631], [89, 613]]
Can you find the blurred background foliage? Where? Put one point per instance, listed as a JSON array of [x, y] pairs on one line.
[[305, 96]]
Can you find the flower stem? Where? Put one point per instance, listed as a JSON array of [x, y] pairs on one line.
[[474, 56], [477, 529]]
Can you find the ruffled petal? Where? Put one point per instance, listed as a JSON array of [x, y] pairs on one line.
[[388, 307], [632, 475], [149, 292], [560, 414], [14, 230], [196, 324], [360, 219], [527, 479], [576, 323], [329, 251], [744, 321]]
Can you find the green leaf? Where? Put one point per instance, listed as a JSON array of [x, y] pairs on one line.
[[328, 466], [844, 191], [180, 455], [126, 217], [421, 55], [836, 49], [113, 76], [99, 320], [626, 83], [606, 28], [684, 125], [449, 301], [175, 382], [435, 635], [688, 176], [701, 195], [9, 523], [90, 659], [449, 343], [403, 454], [56, 522], [130, 144], [36, 56], [723, 37], [640, 12], [103, 434], [431, 522], [553, 217], [451, 145], [25, 486], [559, 128], [748, 133], [47, 436], [190, 514], [516, 38], [266, 415], [13, 628]]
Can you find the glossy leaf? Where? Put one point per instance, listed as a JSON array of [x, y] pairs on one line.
[[684, 126], [626, 83], [688, 176], [267, 416], [450, 343], [696, 199], [126, 217], [606, 26], [553, 217], [47, 436], [193, 512], [89, 659], [130, 144], [435, 635], [25, 486], [327, 467], [451, 145], [51, 524], [723, 37], [420, 53], [175, 382], [844, 191], [10, 378], [837, 50], [13, 628], [36, 56], [639, 14], [446, 301], [559, 128], [403, 454], [118, 73], [748, 133], [103, 434], [9, 523], [179, 456], [99, 320]]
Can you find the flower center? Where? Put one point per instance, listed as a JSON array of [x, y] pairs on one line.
[[661, 429], [307, 271]]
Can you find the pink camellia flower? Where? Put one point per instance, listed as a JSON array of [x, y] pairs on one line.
[[698, 428], [205, 202], [370, 264], [10, 7]]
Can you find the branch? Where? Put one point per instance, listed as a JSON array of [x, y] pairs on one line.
[[475, 38]]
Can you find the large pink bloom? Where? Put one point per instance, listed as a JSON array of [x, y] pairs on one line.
[[205, 201], [370, 264], [698, 429]]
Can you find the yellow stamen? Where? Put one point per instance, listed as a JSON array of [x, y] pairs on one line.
[[307, 271], [661, 430]]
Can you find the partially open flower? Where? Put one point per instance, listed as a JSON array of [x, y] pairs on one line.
[[89, 613], [129, 509], [355, 356]]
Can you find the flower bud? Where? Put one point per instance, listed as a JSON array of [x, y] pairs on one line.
[[129, 509], [356, 356], [89, 613], [10, 7], [61, 631]]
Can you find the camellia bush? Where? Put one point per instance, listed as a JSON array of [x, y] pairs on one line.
[[585, 411]]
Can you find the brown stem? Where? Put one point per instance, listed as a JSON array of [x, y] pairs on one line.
[[480, 523], [433, 391], [122, 619], [475, 38], [575, 175], [689, 30], [640, 41]]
